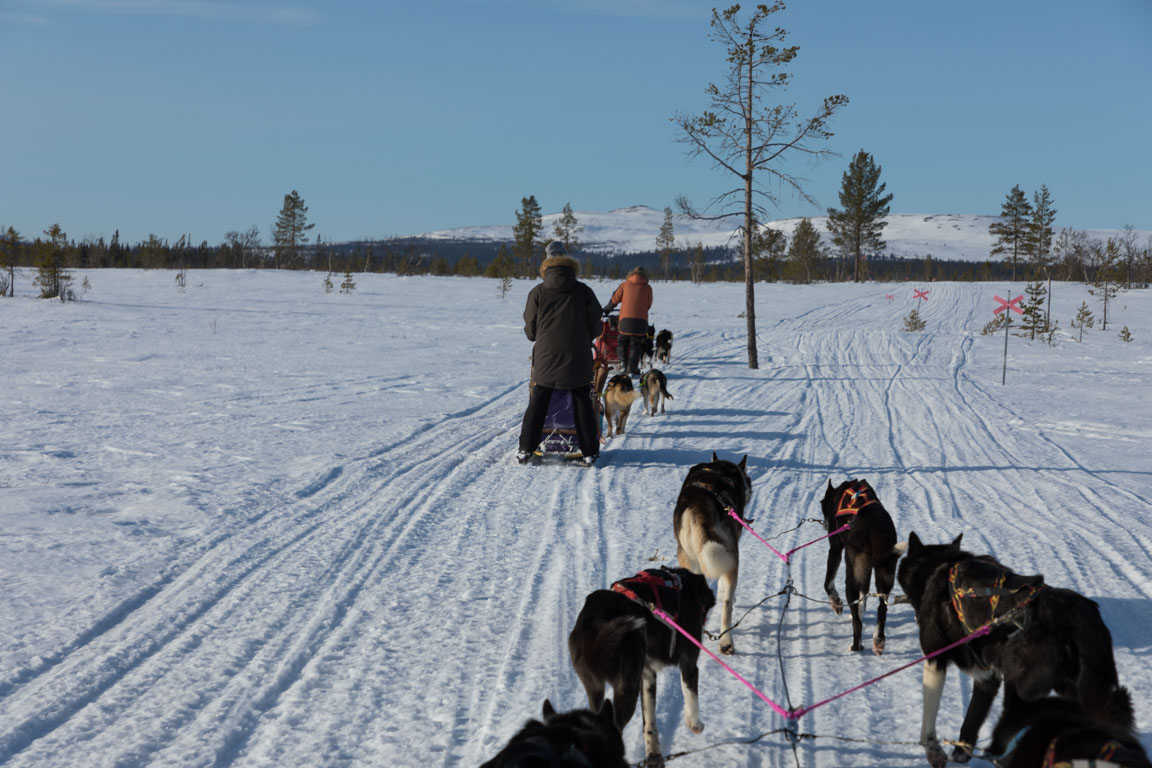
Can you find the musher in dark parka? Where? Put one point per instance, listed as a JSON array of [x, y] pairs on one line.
[[634, 296], [562, 317]]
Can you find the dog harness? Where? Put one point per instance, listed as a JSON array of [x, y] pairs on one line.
[[654, 586], [1102, 760], [657, 589], [852, 501], [994, 593]]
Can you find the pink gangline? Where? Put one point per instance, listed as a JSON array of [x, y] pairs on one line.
[[785, 555], [799, 712], [668, 620]]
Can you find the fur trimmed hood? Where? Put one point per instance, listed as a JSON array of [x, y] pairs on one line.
[[559, 261]]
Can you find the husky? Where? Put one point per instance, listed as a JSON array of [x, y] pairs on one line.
[[1056, 731], [618, 641], [647, 349], [707, 536], [869, 545], [575, 739], [664, 346], [619, 396], [1041, 639], [654, 385]]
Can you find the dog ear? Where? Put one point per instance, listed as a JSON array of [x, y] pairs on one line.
[[913, 543], [715, 457], [955, 545], [549, 711], [607, 715], [743, 463]]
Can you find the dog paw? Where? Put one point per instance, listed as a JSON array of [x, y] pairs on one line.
[[935, 754], [837, 604], [695, 727], [878, 646], [962, 753], [655, 760], [855, 648], [728, 648]]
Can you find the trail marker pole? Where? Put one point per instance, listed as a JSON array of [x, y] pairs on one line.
[[1004, 305]]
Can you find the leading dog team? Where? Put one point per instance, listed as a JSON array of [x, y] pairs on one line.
[[997, 626]]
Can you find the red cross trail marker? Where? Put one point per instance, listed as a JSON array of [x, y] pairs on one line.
[[920, 294], [1012, 305], [1005, 304], [890, 297]]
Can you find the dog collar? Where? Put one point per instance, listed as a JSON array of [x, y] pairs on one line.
[[1102, 760]]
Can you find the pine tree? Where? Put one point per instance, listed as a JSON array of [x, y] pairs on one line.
[[856, 228], [767, 247], [568, 229], [1125, 335], [742, 134], [1033, 309], [328, 282], [913, 322], [805, 250], [526, 235], [665, 242], [697, 266], [290, 233], [1083, 319], [1011, 231]]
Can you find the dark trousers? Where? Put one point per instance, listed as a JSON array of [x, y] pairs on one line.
[[582, 412], [629, 349]]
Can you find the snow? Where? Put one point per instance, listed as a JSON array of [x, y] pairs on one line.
[[952, 237], [254, 524]]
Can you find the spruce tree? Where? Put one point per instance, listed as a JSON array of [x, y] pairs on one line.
[[1083, 319], [568, 229], [1125, 335], [856, 228], [10, 249], [805, 251], [1011, 231], [665, 242], [1106, 283], [291, 230], [51, 274], [526, 235], [1033, 309], [1040, 229], [349, 284], [913, 322]]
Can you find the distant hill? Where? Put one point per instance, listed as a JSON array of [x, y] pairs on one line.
[[950, 237]]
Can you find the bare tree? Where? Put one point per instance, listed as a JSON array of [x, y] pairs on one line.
[[748, 138]]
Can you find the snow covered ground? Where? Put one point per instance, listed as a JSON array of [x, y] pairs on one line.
[[253, 524]]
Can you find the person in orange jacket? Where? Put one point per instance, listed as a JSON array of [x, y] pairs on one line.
[[634, 296]]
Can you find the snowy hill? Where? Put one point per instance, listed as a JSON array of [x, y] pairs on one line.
[[952, 237], [257, 525]]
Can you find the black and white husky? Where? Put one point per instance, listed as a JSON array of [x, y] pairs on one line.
[[1042, 639], [618, 641], [664, 346], [707, 536]]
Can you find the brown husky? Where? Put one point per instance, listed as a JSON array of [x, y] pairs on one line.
[[618, 398], [707, 536], [654, 385]]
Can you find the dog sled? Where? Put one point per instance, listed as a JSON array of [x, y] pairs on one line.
[[558, 438]]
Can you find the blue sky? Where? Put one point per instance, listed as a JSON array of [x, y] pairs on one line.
[[395, 117]]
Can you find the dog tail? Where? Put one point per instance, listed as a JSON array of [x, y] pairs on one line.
[[604, 643], [630, 396], [1120, 711], [664, 391]]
